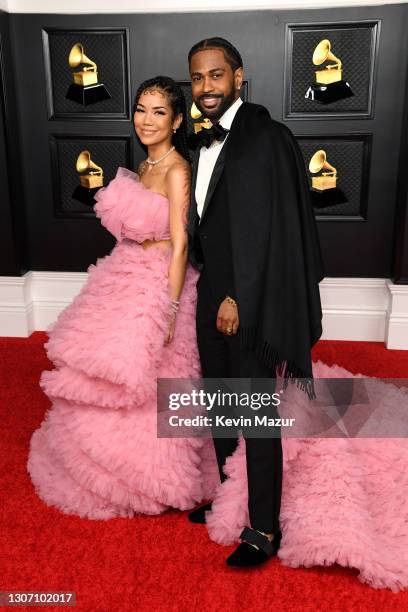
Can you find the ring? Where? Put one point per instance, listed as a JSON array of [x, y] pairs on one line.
[[229, 330]]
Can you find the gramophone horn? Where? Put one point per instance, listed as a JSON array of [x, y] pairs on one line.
[[322, 53], [194, 112], [84, 163], [319, 162], [77, 57]]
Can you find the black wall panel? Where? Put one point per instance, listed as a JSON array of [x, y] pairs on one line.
[[108, 152], [400, 263], [110, 48], [12, 210], [158, 44], [6, 236], [350, 154], [356, 42]]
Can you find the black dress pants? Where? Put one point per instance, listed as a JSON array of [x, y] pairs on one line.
[[221, 357]]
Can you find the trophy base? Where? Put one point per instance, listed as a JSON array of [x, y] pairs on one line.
[[328, 197], [85, 195], [325, 94], [87, 95]]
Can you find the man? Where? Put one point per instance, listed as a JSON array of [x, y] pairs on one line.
[[253, 235]]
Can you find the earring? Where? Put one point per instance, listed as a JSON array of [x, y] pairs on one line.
[[174, 131]]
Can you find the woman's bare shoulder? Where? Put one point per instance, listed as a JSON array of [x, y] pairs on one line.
[[179, 170]]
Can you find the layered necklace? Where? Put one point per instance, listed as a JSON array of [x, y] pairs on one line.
[[156, 161]]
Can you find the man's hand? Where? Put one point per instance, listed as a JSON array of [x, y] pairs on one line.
[[227, 318]]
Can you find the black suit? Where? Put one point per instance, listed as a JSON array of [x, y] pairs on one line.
[[220, 354]]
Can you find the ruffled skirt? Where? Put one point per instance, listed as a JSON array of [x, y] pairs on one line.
[[97, 453]]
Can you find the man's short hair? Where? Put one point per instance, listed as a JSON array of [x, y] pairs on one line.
[[232, 55]]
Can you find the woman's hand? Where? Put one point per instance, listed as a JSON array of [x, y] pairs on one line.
[[170, 330]]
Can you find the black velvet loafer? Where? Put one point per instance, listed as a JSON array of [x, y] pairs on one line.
[[255, 549], [198, 514]]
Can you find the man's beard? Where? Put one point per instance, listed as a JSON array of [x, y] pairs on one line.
[[215, 115]]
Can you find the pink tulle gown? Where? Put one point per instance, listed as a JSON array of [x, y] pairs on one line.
[[97, 455]]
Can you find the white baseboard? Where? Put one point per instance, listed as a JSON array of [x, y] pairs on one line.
[[355, 308], [16, 308], [397, 319], [366, 309], [51, 292], [32, 302]]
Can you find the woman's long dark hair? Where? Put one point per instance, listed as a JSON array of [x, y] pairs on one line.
[[177, 101]]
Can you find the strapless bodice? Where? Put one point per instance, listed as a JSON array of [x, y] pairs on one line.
[[128, 209]]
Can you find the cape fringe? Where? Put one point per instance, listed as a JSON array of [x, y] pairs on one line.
[[283, 367]]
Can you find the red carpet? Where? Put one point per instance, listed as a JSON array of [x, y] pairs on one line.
[[161, 563]]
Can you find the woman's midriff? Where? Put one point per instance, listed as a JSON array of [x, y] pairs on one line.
[[163, 244]]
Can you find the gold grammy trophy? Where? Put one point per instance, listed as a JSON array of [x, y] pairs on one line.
[[85, 89], [327, 180], [324, 186], [329, 85], [204, 124], [90, 179]]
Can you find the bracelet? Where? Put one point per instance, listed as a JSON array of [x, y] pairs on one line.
[[230, 300], [174, 305]]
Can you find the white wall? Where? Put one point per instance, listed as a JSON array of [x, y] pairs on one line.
[[4, 5], [150, 6]]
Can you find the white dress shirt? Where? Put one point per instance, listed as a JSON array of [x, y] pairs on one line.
[[208, 157]]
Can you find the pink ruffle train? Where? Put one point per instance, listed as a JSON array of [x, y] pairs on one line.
[[344, 500], [97, 454]]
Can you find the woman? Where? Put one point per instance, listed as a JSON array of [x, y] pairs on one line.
[[96, 453]]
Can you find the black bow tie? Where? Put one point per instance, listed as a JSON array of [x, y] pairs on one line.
[[206, 136]]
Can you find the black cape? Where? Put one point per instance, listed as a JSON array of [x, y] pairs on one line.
[[275, 249]]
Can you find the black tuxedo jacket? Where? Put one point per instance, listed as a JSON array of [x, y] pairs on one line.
[[274, 251]]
